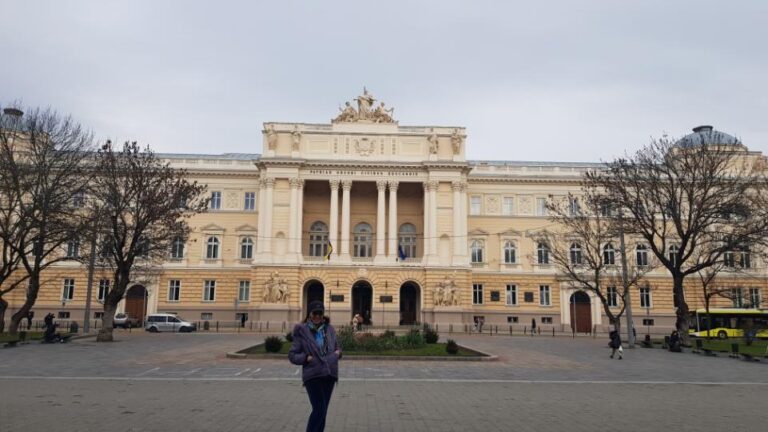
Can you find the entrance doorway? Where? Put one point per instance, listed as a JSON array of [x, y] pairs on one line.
[[581, 312], [136, 302], [362, 300], [313, 291], [409, 303]]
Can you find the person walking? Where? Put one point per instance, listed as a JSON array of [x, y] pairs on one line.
[[30, 315], [615, 344], [316, 349]]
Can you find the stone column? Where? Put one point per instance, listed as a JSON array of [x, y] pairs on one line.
[[261, 216], [458, 237], [293, 215], [425, 231], [433, 217], [381, 235], [346, 187], [333, 229], [299, 217], [392, 233], [268, 212], [464, 221]]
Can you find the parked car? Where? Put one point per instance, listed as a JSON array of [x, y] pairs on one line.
[[163, 322], [125, 320]]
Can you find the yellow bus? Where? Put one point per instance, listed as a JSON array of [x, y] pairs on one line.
[[728, 322]]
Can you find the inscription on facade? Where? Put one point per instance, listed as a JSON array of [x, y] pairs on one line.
[[365, 173]]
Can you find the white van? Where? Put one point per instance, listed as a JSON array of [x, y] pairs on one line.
[[168, 322]]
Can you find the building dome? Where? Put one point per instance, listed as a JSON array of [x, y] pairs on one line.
[[707, 135]]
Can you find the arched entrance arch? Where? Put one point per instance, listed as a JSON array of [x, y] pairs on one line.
[[581, 312], [136, 302], [410, 303], [314, 290], [362, 300]]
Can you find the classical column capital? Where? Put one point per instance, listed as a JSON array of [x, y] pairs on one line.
[[346, 185], [433, 184], [300, 183], [334, 184], [381, 185], [268, 182], [456, 186], [393, 184], [295, 182], [464, 186]]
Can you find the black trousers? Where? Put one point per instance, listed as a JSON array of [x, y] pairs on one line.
[[319, 391]]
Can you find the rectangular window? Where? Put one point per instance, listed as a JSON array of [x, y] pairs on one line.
[[541, 206], [544, 295], [206, 316], [209, 291], [244, 295], [508, 206], [215, 200], [68, 292], [78, 200], [648, 321], [511, 295], [737, 297], [98, 315], [512, 319], [477, 294], [613, 296], [546, 320], [103, 290], [574, 207], [475, 205], [754, 297], [174, 290], [645, 297], [73, 249], [250, 201], [63, 315]]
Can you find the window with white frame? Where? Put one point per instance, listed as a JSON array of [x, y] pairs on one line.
[[73, 248], [745, 258], [511, 295], [609, 254], [362, 240], [209, 291], [250, 201], [574, 207], [177, 248], [206, 316], [737, 297], [612, 296], [641, 255], [174, 290], [542, 253], [645, 297], [508, 206], [68, 291], [673, 254], [541, 207], [477, 249], [510, 252], [215, 203], [545, 298], [407, 240], [575, 254], [105, 248], [318, 239], [78, 199], [212, 248], [244, 294], [103, 290], [246, 248], [477, 294], [754, 297], [728, 259], [475, 205]]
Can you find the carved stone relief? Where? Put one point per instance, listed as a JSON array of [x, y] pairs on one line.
[[276, 289]]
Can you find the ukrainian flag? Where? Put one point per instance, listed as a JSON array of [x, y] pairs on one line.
[[330, 251]]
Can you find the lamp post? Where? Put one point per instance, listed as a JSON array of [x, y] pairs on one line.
[[625, 283]]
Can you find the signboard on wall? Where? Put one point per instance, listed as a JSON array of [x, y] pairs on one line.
[[337, 297]]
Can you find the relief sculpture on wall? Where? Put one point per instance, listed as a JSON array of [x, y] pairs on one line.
[[276, 289], [446, 293]]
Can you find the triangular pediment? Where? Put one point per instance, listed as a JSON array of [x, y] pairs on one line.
[[537, 233], [478, 232], [246, 228], [511, 233], [212, 227]]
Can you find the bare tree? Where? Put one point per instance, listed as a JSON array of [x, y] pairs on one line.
[[583, 250], [144, 204], [688, 201], [45, 170]]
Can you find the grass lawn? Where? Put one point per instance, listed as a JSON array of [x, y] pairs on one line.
[[758, 347], [5, 337], [430, 350]]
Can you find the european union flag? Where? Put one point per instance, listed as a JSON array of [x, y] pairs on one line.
[[401, 253]]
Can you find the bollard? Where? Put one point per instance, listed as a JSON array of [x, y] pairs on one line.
[[267, 325], [735, 350], [553, 332], [283, 325], [251, 325], [699, 345], [217, 326], [525, 330], [510, 329], [450, 328]]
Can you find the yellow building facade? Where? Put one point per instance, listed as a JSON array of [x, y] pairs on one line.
[[376, 218]]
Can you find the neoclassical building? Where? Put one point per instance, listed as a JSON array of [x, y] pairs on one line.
[[376, 218]]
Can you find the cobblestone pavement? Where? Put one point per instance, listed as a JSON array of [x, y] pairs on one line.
[[175, 382]]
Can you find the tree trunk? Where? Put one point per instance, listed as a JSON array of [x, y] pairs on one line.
[[3, 308], [681, 323], [105, 332], [32, 290]]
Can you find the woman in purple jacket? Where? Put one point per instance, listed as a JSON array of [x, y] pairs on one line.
[[316, 349]]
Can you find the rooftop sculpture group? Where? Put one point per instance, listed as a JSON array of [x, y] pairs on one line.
[[365, 111]]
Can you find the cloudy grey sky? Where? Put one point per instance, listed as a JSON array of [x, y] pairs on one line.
[[539, 80]]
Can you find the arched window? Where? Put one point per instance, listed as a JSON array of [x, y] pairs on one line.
[[212, 248], [641, 251], [246, 248], [177, 248], [73, 249], [318, 239], [407, 240], [576, 254], [362, 240], [510, 252], [609, 254], [542, 253], [672, 254], [478, 249]]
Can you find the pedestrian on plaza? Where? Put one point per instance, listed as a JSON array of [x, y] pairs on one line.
[[30, 315], [533, 326], [242, 320], [48, 320], [615, 344], [480, 323], [317, 351], [674, 342]]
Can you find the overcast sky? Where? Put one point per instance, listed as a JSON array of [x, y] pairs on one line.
[[540, 80]]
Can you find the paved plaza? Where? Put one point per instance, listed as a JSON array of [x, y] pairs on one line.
[[184, 382]]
